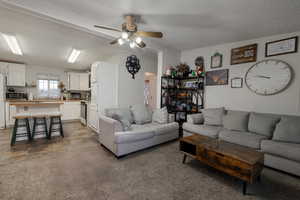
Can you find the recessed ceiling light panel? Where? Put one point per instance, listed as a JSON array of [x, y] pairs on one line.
[[74, 55], [13, 44]]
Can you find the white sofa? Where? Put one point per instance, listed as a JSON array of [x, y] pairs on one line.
[[120, 142]]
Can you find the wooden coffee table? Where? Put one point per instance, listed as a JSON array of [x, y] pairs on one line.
[[238, 161]]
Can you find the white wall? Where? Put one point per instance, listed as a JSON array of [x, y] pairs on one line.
[[131, 91], [286, 102], [166, 58]]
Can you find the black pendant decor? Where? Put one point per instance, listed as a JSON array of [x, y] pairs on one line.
[[133, 65]]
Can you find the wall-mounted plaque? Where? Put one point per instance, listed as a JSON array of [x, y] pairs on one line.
[[244, 54], [280, 47]]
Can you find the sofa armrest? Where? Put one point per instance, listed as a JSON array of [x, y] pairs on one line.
[[195, 118], [107, 129]]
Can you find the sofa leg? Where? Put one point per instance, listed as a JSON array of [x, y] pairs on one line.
[[119, 157]]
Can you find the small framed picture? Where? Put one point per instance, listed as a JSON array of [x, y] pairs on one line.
[[237, 82], [216, 60], [281, 47]]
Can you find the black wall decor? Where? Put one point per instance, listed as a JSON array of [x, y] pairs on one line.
[[133, 65]]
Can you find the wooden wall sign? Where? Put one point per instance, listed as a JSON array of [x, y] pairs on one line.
[[244, 54]]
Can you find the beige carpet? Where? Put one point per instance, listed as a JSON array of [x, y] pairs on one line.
[[77, 167]]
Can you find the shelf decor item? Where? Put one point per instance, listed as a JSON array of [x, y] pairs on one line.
[[216, 60], [244, 54], [183, 70], [133, 65], [217, 77], [237, 82], [281, 47], [199, 63]]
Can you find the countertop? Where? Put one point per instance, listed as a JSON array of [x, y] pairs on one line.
[[39, 102]]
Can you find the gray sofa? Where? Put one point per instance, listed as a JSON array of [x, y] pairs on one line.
[[278, 136], [144, 130]]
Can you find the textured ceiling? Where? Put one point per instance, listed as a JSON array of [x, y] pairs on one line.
[[186, 24], [47, 43]]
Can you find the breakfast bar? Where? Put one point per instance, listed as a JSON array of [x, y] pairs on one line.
[[39, 113]]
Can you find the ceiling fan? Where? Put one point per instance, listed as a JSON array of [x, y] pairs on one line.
[[130, 33]]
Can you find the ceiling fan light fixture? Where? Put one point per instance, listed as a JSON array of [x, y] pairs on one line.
[[138, 40], [132, 44], [120, 41], [124, 35]]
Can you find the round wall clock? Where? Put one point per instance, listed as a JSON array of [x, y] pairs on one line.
[[269, 77]]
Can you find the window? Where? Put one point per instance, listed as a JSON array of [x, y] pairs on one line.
[[48, 87]]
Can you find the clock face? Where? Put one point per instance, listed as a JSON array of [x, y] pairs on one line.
[[268, 77]]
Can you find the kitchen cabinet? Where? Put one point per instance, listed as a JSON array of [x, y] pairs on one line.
[[84, 81], [16, 74], [78, 81], [70, 110], [93, 119]]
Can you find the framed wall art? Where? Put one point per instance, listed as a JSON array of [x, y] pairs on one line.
[[244, 54], [281, 47], [216, 60], [217, 77], [237, 82]]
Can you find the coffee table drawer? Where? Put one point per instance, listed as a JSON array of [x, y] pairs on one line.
[[225, 163]]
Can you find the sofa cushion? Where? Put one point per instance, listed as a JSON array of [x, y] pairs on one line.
[[160, 115], [126, 125], [236, 120], [162, 129], [262, 124], [141, 114], [133, 136], [288, 130], [210, 131], [282, 149], [195, 118], [213, 116], [124, 113], [242, 138]]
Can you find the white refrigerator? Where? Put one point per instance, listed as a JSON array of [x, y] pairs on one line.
[[2, 101]]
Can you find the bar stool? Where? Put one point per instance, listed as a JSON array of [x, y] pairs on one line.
[[39, 121], [17, 125], [55, 119]]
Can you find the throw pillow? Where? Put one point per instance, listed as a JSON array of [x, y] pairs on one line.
[[124, 113], [288, 130], [125, 123], [236, 120], [195, 118], [160, 115], [262, 124], [141, 114], [213, 116]]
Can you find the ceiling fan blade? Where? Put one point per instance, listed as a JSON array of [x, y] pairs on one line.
[[107, 28], [114, 41], [149, 34], [141, 44]]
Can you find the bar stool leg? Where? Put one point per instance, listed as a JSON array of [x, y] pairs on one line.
[[34, 127], [50, 129], [14, 133], [46, 129], [28, 129], [61, 128]]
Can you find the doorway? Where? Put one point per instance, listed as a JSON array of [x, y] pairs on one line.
[[150, 90]]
